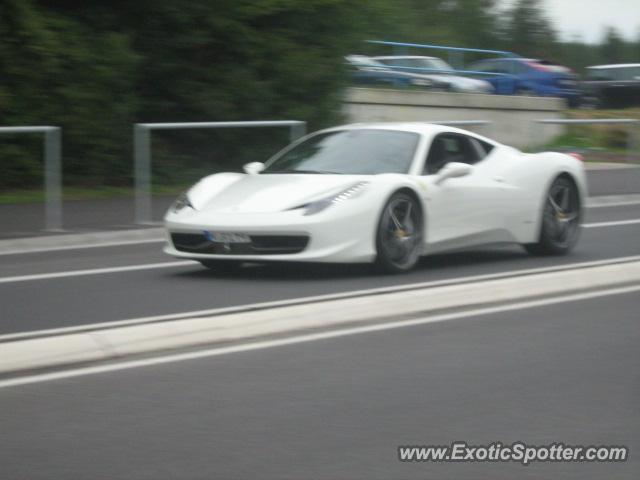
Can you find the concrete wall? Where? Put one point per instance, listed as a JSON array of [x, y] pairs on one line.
[[511, 115]]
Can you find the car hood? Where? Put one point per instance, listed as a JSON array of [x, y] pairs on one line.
[[269, 192]]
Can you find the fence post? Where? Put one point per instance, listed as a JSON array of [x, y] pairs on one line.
[[53, 179], [142, 173], [142, 153]]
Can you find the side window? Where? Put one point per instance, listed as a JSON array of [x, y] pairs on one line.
[[481, 67], [483, 148], [489, 66], [519, 68], [628, 73], [502, 67], [450, 147]]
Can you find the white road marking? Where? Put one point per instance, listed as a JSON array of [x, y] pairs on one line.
[[614, 204], [615, 223], [613, 201], [94, 271], [260, 345], [315, 298]]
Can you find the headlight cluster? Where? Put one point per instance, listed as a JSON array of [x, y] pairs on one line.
[[320, 205], [181, 203]]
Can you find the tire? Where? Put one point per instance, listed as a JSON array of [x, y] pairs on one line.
[[561, 216], [221, 266], [399, 234]]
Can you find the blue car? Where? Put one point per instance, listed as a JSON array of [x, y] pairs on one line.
[[526, 76]]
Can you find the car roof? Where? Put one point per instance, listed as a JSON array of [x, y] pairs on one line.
[[423, 128], [616, 65]]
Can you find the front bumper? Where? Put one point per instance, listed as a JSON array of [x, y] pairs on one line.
[[332, 236]]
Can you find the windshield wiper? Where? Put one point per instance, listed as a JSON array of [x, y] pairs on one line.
[[322, 172]]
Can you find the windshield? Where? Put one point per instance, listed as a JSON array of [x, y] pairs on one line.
[[355, 152], [619, 74]]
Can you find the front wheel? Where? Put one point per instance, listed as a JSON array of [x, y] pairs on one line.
[[561, 217], [399, 235]]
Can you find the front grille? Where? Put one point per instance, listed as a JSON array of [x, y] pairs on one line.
[[259, 245]]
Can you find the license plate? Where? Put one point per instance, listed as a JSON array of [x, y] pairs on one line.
[[227, 237]]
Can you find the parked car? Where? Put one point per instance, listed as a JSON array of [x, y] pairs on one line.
[[526, 76], [368, 71], [612, 86], [439, 71]]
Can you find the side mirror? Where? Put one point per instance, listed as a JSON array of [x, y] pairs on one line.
[[453, 170], [253, 168]]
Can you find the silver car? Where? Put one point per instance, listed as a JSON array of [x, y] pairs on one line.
[[438, 70]]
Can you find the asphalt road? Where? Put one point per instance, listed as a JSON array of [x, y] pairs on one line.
[[339, 408], [335, 408], [78, 300]]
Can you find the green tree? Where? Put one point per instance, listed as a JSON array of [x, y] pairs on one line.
[[528, 31], [613, 47], [55, 70]]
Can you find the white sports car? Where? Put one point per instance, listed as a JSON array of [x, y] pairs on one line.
[[380, 192]]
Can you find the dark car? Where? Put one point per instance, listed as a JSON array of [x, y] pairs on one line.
[[526, 76], [612, 86], [367, 71]]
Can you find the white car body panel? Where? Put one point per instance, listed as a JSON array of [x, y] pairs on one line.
[[501, 200]]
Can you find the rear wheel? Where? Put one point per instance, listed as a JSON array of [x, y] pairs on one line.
[[399, 235], [561, 216], [221, 266]]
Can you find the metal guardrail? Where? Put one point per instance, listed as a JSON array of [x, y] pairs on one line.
[[443, 47], [453, 52], [633, 132], [52, 171], [142, 153]]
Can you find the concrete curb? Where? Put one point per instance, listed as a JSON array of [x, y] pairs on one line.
[[121, 342]]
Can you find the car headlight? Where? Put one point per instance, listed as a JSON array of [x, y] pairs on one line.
[[181, 203], [319, 205]]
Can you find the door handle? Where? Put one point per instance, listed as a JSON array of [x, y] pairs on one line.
[[499, 179]]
